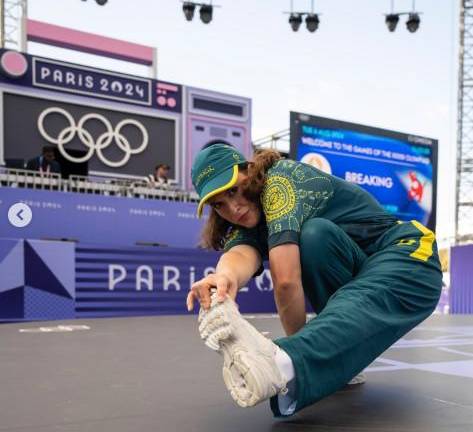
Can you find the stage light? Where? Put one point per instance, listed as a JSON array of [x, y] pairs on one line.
[[312, 22], [100, 2], [391, 21], [413, 22], [188, 8], [205, 12], [311, 19], [295, 20]]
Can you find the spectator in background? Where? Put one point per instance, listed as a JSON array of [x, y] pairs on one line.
[[46, 163], [160, 175]]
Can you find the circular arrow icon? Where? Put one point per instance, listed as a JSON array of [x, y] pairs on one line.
[[20, 215]]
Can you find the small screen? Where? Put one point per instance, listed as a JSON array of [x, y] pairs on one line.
[[220, 107]]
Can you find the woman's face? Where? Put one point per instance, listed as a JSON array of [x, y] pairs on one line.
[[234, 207]]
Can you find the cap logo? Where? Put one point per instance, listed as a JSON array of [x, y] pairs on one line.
[[206, 172]]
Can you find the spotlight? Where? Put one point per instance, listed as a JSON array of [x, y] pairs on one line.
[[188, 8], [413, 22], [312, 22], [295, 20], [99, 2], [391, 21], [206, 13]]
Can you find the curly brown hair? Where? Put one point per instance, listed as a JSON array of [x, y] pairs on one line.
[[217, 230]]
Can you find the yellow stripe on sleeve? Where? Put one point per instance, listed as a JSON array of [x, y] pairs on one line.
[[425, 249]]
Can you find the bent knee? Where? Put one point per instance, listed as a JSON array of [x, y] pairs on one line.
[[317, 229], [317, 237]]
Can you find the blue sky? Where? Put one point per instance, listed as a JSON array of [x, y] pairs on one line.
[[351, 69]]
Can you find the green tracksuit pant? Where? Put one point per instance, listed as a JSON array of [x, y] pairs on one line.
[[363, 303]]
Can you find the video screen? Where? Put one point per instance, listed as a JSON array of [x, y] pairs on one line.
[[144, 140], [399, 170]]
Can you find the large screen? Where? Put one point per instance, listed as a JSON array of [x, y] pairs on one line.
[[399, 170], [110, 142]]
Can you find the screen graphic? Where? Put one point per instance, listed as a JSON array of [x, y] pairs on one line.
[[109, 142], [399, 170]]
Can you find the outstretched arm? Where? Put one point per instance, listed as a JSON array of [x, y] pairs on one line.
[[234, 269], [285, 265]]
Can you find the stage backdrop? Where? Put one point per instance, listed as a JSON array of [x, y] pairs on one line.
[[44, 280], [101, 219]]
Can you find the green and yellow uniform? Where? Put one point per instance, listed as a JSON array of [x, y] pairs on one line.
[[369, 278]]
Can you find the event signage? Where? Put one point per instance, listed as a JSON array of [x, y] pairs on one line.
[[100, 219], [46, 280], [83, 80], [399, 170], [151, 281], [24, 70], [89, 139]]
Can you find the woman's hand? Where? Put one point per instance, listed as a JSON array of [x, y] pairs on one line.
[[201, 290], [234, 269]]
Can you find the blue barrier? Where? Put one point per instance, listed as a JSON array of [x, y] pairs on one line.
[[101, 219], [45, 280]]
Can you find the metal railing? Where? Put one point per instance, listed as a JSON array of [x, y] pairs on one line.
[[12, 177], [106, 186]]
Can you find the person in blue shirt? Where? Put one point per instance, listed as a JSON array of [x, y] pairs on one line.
[[46, 163]]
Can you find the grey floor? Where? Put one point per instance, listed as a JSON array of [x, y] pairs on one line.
[[154, 374]]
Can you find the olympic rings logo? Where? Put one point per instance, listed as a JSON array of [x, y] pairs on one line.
[[102, 142]]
